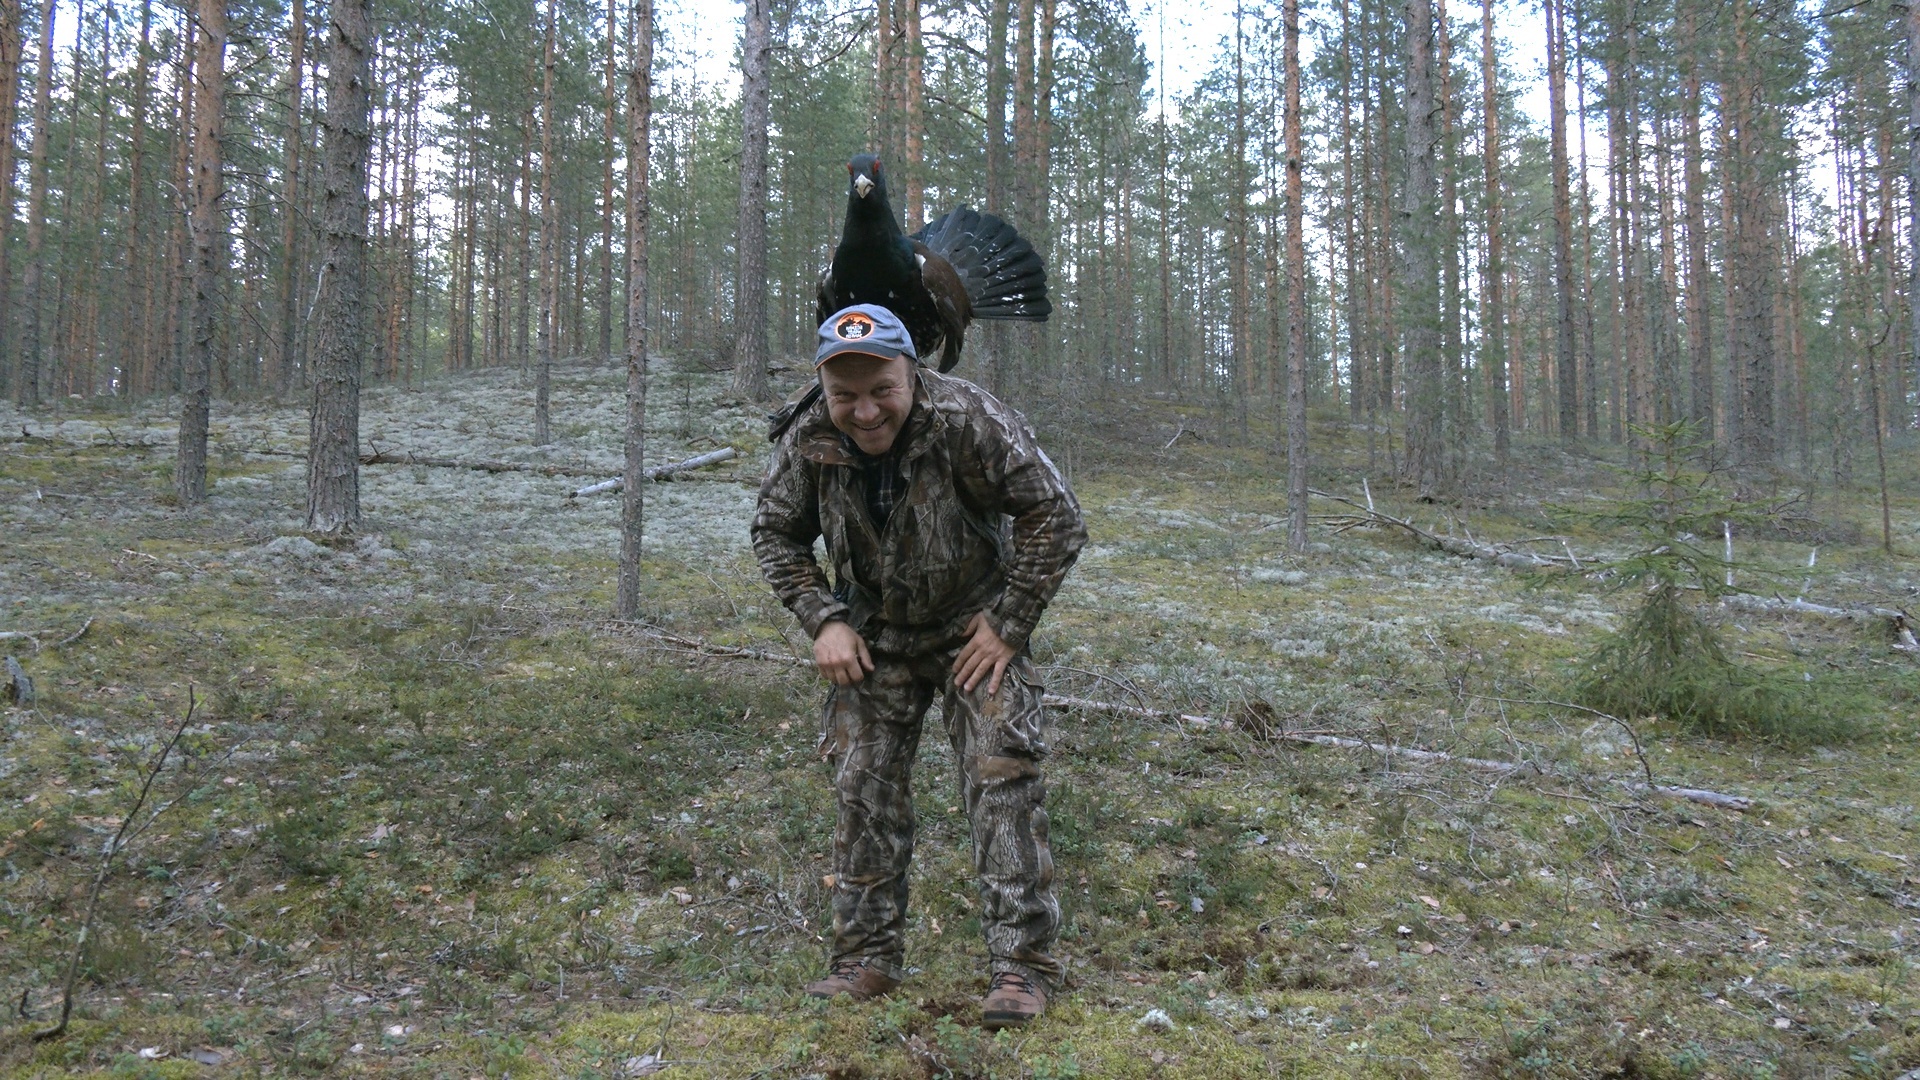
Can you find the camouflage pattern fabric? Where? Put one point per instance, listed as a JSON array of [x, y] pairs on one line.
[[987, 524], [871, 733]]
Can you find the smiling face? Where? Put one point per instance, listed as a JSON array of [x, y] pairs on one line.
[[868, 398]]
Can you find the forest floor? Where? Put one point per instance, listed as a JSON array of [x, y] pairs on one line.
[[437, 815]]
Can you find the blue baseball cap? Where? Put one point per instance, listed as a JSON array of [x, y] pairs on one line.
[[864, 328]]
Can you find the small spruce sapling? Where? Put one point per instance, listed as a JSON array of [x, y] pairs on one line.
[[1667, 659]]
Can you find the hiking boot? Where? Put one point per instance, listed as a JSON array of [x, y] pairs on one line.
[[1012, 1000], [854, 977]]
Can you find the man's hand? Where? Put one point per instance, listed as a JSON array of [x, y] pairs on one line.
[[841, 654], [984, 656]]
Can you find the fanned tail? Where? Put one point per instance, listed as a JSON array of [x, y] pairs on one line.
[[1004, 276]]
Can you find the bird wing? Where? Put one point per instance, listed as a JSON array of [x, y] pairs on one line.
[[950, 301]]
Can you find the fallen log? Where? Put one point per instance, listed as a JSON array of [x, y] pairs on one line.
[[1777, 604], [1505, 768], [658, 473], [1455, 545]]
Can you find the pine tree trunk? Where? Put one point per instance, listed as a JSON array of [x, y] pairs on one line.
[[543, 373], [750, 279], [1694, 182], [333, 433], [611, 135], [997, 107], [26, 383], [639, 152], [913, 118], [1913, 190], [1239, 315], [287, 310], [1452, 317], [1751, 278], [1296, 290], [11, 45], [209, 236], [1566, 378], [1493, 341], [1420, 303]]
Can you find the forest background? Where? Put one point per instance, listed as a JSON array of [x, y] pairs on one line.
[[1384, 790]]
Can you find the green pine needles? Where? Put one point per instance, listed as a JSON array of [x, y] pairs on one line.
[[1667, 660]]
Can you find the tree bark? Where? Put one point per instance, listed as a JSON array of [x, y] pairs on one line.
[[639, 153], [288, 310], [1566, 377], [1750, 281], [997, 107], [209, 244], [611, 135], [549, 288], [1296, 289], [1420, 315], [1694, 183], [333, 432], [1913, 190], [11, 45], [913, 112], [1493, 341], [26, 383], [750, 277]]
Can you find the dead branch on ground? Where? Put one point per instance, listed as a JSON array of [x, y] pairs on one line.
[[106, 867], [659, 473], [1502, 554], [1204, 723]]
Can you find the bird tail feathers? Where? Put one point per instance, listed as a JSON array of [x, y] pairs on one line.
[[1004, 276]]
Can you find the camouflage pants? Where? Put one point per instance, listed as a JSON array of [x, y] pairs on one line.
[[872, 733]]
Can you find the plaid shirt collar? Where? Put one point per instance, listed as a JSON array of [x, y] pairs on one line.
[[886, 475]]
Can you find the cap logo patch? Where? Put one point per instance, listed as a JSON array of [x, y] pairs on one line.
[[853, 326]]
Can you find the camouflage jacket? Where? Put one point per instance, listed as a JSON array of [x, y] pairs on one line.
[[987, 524]]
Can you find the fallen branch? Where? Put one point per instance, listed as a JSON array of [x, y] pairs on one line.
[[1777, 604], [392, 457], [34, 636], [1063, 701], [658, 473], [106, 866], [1504, 768], [1452, 545]]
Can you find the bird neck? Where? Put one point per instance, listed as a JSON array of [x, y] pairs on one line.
[[871, 219]]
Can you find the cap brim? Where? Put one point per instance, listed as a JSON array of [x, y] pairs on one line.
[[863, 348]]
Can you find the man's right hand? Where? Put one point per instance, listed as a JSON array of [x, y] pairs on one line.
[[841, 654]]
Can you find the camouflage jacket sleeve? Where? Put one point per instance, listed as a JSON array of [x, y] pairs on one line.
[[1019, 480], [785, 525]]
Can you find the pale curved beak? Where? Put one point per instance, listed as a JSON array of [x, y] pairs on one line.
[[862, 185]]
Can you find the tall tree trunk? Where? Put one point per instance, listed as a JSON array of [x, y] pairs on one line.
[[1420, 304], [209, 109], [1356, 353], [1239, 314], [1751, 279], [1296, 290], [1566, 378], [913, 111], [549, 288], [11, 45], [288, 311], [26, 384], [997, 106], [333, 431], [1493, 341], [1452, 316], [750, 278], [1694, 182], [611, 135], [1913, 190], [639, 153], [134, 326]]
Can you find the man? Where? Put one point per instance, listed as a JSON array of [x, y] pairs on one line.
[[911, 477]]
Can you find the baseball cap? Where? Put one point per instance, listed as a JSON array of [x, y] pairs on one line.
[[863, 328]]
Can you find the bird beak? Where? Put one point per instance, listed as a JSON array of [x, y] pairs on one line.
[[862, 185]]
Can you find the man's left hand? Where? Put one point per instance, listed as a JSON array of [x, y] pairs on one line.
[[984, 656]]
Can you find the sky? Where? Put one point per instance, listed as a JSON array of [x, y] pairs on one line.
[[1196, 32]]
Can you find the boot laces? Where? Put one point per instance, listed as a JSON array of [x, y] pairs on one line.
[[847, 967], [1017, 980]]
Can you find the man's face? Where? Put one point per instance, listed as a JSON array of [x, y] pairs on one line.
[[868, 398]]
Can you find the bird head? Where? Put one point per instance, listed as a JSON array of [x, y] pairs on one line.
[[864, 178]]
